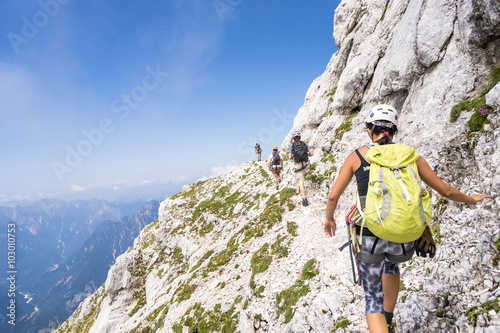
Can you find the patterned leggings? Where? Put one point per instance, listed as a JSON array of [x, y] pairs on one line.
[[371, 274]]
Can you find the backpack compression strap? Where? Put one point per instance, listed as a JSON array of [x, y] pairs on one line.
[[422, 210], [406, 194]]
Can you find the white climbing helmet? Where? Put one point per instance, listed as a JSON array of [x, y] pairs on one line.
[[295, 134], [381, 114]]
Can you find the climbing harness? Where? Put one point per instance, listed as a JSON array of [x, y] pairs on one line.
[[351, 219], [305, 166]]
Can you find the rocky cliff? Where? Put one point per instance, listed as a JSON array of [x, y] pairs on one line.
[[235, 254]]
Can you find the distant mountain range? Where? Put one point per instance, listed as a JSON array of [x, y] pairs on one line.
[[63, 253]]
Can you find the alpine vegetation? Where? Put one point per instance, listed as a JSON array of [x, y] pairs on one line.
[[239, 254]]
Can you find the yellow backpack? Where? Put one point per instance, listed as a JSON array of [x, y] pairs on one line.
[[397, 206]]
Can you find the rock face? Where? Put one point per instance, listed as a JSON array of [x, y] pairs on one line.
[[235, 254]]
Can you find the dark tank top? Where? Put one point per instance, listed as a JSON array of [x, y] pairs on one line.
[[362, 175], [362, 178]]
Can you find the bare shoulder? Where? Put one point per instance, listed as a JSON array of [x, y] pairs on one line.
[[352, 161], [363, 150]]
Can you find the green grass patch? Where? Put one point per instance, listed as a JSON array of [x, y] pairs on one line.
[[184, 292], [465, 105], [177, 256], [340, 323], [89, 319], [197, 319], [328, 158], [256, 231], [480, 116], [195, 188], [202, 259], [261, 260], [494, 78], [285, 196], [258, 292], [473, 312], [478, 120], [288, 298], [222, 258], [309, 270], [292, 228], [221, 204], [346, 126], [140, 296], [139, 269], [278, 248], [441, 205], [272, 211], [332, 92], [318, 179], [264, 173], [436, 232]]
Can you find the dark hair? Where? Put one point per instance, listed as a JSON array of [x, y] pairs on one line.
[[376, 130]]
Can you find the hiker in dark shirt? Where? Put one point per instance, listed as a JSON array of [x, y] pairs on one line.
[[258, 151], [381, 279], [300, 152]]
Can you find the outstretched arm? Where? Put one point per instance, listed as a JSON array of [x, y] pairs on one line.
[[447, 191], [341, 183]]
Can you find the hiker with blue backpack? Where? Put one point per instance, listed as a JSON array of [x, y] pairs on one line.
[[397, 221], [275, 164], [300, 152]]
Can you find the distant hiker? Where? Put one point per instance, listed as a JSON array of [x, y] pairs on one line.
[[379, 261], [258, 151], [300, 152], [275, 164]]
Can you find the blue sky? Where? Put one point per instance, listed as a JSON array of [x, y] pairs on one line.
[[102, 99]]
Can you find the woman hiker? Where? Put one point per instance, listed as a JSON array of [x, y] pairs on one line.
[[381, 280]]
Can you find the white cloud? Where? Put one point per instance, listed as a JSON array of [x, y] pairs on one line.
[[176, 180], [116, 188], [219, 171], [14, 199], [43, 195], [76, 188]]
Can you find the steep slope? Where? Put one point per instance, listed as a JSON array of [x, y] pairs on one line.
[[224, 244], [234, 254]]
